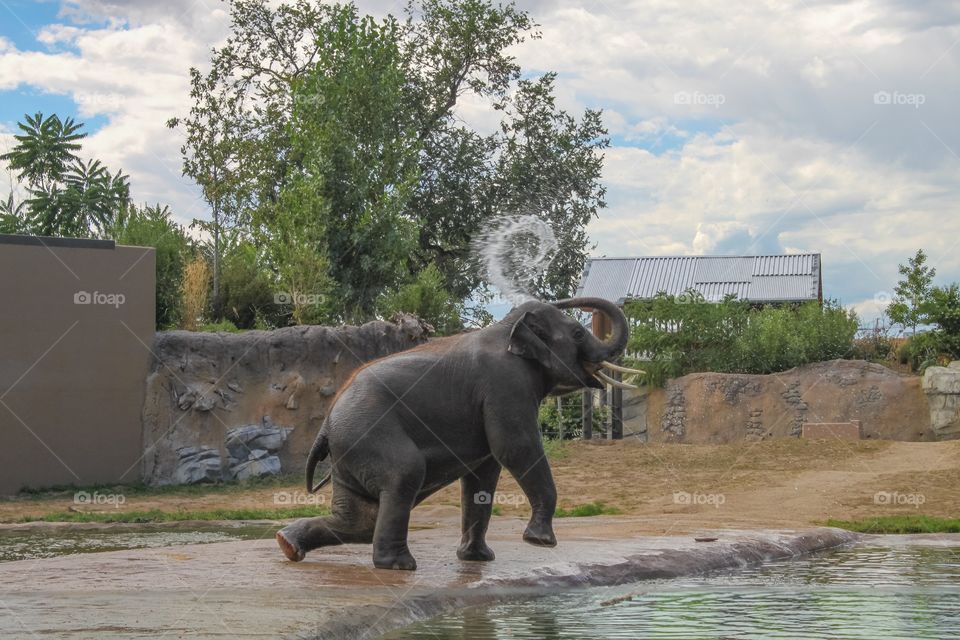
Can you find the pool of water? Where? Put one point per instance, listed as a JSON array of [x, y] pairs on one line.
[[25, 544], [861, 592]]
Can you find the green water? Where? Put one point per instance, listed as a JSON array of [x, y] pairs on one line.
[[855, 593], [47, 543]]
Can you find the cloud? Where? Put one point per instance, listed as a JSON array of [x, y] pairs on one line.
[[739, 127]]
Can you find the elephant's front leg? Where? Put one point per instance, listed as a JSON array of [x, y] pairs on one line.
[[515, 442], [476, 504]]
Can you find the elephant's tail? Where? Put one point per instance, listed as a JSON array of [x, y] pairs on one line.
[[320, 450]]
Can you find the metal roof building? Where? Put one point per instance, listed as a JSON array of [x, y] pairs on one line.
[[759, 279]]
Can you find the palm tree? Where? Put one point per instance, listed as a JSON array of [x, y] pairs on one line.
[[68, 196]]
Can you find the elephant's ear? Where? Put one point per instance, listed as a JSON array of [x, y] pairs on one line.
[[528, 339]]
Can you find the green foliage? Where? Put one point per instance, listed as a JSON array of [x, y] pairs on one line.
[[67, 195], [912, 292], [586, 510], [246, 288], [156, 515], [426, 298], [899, 524], [216, 327], [153, 226], [676, 335], [569, 415], [554, 448], [313, 113]]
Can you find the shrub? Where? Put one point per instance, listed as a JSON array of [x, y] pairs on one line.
[[569, 415], [246, 289], [676, 335], [426, 298], [154, 227], [196, 290]]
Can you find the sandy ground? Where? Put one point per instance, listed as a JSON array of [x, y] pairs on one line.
[[675, 488]]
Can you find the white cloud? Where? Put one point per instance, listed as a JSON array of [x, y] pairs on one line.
[[760, 120]]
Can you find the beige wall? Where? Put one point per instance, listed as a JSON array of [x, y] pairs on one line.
[[72, 374]]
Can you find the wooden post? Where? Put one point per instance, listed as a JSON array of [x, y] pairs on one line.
[[616, 410], [560, 418], [587, 414]]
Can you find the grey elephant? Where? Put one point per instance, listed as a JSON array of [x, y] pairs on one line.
[[461, 407]]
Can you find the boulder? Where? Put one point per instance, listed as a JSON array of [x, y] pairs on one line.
[[268, 466], [942, 387], [198, 464]]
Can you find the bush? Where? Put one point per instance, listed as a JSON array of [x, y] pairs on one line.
[[246, 289], [154, 227], [426, 298], [223, 325], [676, 335]]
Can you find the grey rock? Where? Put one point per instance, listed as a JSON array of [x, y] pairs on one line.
[[269, 466], [197, 464], [942, 387]]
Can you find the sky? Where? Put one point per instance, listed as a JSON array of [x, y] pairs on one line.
[[736, 127]]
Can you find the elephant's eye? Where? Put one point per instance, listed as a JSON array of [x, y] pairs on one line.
[[578, 334]]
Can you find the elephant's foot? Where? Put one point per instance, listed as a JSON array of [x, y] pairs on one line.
[[291, 550], [540, 534], [475, 551], [401, 559]]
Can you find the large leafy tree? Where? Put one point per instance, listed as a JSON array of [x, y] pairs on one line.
[[357, 117], [67, 196]]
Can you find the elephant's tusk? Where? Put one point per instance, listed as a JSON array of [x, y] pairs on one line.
[[600, 375], [616, 367]]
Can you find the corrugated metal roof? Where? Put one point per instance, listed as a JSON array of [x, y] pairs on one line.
[[755, 278]]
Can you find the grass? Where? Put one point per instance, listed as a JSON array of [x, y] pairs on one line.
[[156, 515], [899, 524], [586, 510], [555, 449], [143, 490]]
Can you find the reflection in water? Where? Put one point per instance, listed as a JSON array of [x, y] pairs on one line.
[[26, 544], [860, 592]]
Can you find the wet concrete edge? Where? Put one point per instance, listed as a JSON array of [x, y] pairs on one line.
[[372, 621]]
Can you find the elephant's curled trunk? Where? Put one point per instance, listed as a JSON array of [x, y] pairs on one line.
[[614, 346], [319, 451]]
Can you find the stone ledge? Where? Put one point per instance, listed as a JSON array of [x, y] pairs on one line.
[[247, 589]]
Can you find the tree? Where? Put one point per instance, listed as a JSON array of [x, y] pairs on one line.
[[912, 293], [360, 113], [67, 195]]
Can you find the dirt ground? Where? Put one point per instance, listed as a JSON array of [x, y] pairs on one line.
[[679, 488]]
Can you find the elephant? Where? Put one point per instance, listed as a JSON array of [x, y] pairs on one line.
[[460, 407]]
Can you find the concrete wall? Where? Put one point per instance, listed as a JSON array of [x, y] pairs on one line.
[[76, 322], [718, 408]]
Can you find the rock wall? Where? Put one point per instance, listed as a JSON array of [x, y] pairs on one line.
[[942, 386], [725, 408], [223, 406]]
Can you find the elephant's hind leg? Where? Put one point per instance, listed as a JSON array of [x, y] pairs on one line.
[[477, 489], [352, 519]]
